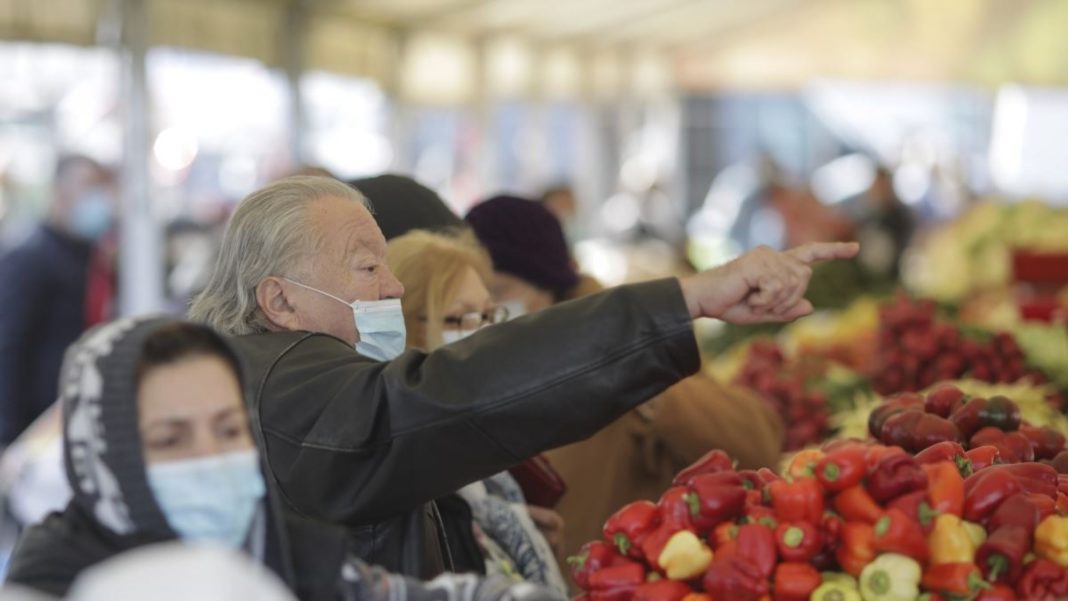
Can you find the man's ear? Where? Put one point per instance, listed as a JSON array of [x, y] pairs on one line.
[[271, 296]]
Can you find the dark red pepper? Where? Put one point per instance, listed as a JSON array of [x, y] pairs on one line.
[[629, 526], [798, 541], [946, 451], [895, 476], [616, 583], [795, 581], [983, 457], [756, 543], [896, 533], [985, 436], [678, 506], [592, 557], [712, 462], [1020, 445], [843, 468], [1034, 478], [917, 506], [831, 529], [797, 501], [720, 498], [985, 491], [976, 413], [735, 578], [1022, 509], [944, 399], [915, 430], [662, 590], [1001, 556], [997, 592], [1042, 579]]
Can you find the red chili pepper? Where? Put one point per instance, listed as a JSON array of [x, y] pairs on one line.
[[797, 501], [1022, 509], [961, 579], [592, 557], [756, 543], [985, 491], [1021, 447], [735, 578], [720, 498], [944, 399], [945, 488], [616, 583], [857, 548], [855, 504], [997, 592], [798, 541], [983, 457], [840, 469], [946, 451], [1042, 579], [1035, 478], [630, 525], [918, 508], [896, 533], [712, 462], [662, 590], [795, 581], [890, 407], [1001, 556], [1046, 442], [895, 476]]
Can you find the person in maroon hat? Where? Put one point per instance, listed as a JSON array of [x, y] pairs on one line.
[[637, 455]]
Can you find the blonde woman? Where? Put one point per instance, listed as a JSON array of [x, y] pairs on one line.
[[446, 300]]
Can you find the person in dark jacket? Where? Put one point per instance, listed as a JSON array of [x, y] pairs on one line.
[[43, 291], [359, 432], [157, 447]]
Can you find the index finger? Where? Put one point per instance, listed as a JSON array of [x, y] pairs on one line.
[[824, 251]]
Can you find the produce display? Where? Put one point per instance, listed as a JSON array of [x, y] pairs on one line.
[[955, 496]]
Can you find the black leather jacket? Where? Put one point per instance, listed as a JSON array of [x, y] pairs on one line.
[[369, 445]]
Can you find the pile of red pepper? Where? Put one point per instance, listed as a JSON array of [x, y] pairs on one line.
[[804, 411], [915, 350], [987, 430], [854, 520]]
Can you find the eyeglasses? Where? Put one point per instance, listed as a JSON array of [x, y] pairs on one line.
[[475, 320]]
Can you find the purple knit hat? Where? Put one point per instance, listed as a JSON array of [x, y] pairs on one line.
[[525, 240]]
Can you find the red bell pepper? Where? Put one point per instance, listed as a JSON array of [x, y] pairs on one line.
[[957, 579], [1046, 442], [795, 581], [878, 452], [756, 543], [983, 457], [678, 506], [798, 541], [1020, 445], [720, 498], [985, 491], [1022, 509], [918, 508], [855, 504], [591, 558], [1034, 478], [890, 407], [915, 430], [896, 533], [1001, 556], [662, 590], [759, 514], [712, 462], [724, 533], [945, 488], [797, 501], [857, 547], [843, 468], [803, 464], [977, 413], [831, 529], [1043, 579], [895, 476], [735, 578], [988, 435], [944, 399], [997, 592], [616, 583], [946, 451], [629, 526]]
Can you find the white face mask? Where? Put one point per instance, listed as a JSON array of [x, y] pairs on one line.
[[516, 308], [451, 336], [380, 325]]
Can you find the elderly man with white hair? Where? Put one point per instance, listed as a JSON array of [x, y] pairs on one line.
[[361, 433]]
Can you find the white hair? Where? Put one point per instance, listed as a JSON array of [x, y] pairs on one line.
[[268, 235]]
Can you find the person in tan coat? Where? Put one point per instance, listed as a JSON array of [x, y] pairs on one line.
[[636, 456]]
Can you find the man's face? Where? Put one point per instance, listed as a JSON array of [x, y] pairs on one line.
[[351, 265]]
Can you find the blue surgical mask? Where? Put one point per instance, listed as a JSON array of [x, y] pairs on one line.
[[92, 214], [380, 325], [210, 499]]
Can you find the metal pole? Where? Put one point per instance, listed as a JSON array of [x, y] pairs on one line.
[[294, 31], [140, 251]]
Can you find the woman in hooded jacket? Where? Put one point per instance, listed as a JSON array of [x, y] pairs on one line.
[[157, 447]]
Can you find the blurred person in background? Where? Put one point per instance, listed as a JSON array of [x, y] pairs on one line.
[[446, 300], [636, 456], [158, 448], [401, 204], [561, 201], [884, 225], [45, 285]]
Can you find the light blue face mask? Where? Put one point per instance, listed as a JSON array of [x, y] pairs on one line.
[[211, 499], [380, 325], [92, 214]]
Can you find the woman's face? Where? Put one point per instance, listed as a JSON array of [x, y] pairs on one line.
[[191, 409], [508, 290], [471, 299]]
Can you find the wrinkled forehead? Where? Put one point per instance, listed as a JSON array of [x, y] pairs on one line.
[[346, 228]]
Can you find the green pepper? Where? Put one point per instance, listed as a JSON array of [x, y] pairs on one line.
[[891, 577]]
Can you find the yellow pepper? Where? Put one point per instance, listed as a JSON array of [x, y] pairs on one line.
[[836, 590], [976, 532], [1051, 540], [950, 542], [685, 556]]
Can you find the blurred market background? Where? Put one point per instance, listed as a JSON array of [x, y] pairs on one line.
[[668, 135]]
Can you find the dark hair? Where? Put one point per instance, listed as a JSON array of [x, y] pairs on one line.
[[183, 340]]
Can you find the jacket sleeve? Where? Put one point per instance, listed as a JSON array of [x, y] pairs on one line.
[[19, 290], [699, 414], [350, 440]]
